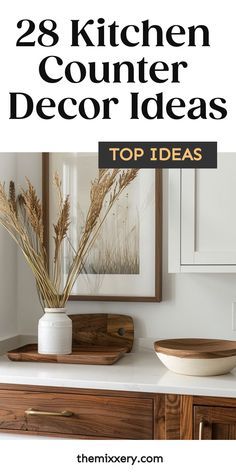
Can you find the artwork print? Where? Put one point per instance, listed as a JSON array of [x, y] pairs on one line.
[[120, 264]]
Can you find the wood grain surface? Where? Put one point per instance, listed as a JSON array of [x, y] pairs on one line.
[[91, 415], [91, 355], [98, 339], [172, 416], [105, 414], [194, 348], [100, 329], [218, 422]]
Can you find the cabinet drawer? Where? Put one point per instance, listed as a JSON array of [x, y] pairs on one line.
[[88, 415]]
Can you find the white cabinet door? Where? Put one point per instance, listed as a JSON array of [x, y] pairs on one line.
[[202, 218]]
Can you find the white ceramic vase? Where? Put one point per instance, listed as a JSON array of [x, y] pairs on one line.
[[55, 332]]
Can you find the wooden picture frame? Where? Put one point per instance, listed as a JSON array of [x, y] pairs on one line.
[[157, 240]]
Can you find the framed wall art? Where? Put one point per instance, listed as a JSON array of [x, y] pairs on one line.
[[124, 263]]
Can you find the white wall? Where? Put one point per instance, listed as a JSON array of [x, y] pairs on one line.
[[28, 307], [8, 261], [193, 304]]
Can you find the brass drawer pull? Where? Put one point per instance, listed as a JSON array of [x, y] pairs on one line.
[[201, 427], [31, 412]]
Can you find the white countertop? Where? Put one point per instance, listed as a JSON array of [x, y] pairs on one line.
[[136, 372]]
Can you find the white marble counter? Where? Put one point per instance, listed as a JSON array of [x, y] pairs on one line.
[[138, 371]]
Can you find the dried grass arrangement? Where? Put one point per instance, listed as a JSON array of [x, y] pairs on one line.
[[22, 216]]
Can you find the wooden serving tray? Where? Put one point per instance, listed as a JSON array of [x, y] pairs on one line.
[[80, 355], [99, 339], [194, 348]]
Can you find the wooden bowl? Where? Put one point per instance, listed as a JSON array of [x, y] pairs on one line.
[[193, 356]]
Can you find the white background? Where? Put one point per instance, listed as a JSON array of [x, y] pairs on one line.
[[211, 73], [180, 456]]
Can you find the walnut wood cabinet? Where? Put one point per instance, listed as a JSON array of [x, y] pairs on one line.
[[196, 417], [98, 414], [79, 413], [214, 422]]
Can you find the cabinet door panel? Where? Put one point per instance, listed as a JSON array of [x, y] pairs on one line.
[[208, 214], [214, 422]]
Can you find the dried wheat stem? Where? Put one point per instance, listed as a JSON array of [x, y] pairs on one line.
[[23, 220]]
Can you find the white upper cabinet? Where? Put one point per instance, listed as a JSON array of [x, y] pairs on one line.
[[202, 218]]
